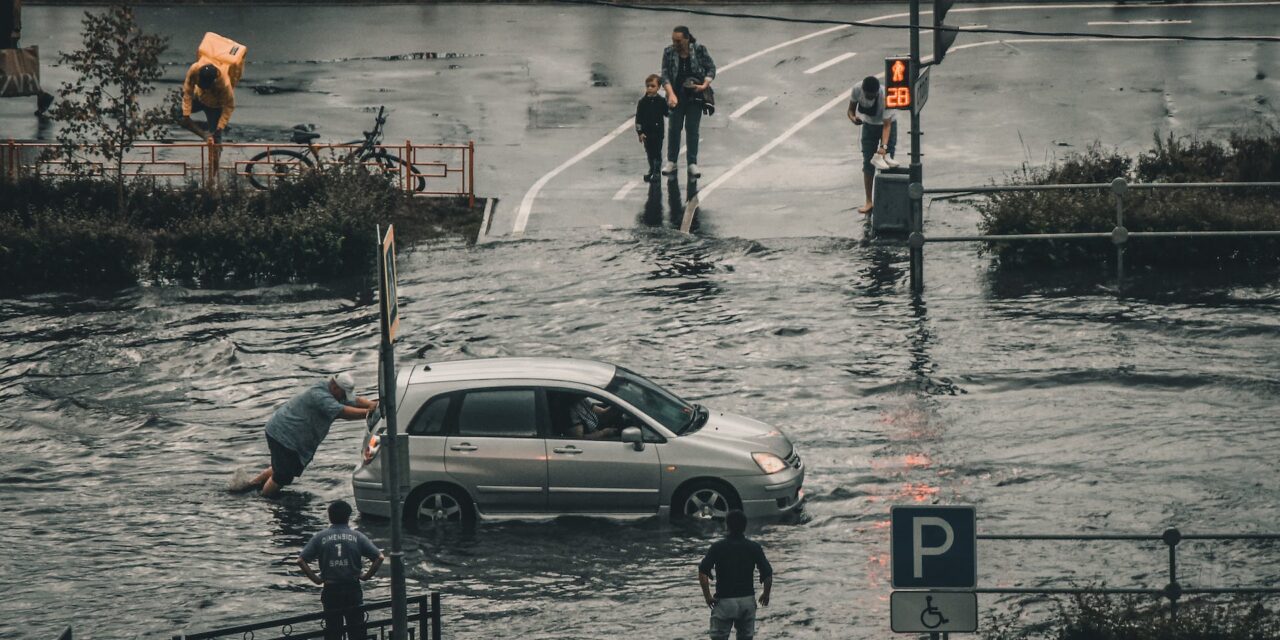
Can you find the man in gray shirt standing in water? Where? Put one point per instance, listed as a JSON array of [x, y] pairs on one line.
[[734, 559], [339, 550], [297, 428]]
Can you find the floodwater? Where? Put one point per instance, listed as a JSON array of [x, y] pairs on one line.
[[1045, 399], [1051, 408]]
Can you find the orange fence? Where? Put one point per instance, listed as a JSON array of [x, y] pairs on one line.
[[419, 169]]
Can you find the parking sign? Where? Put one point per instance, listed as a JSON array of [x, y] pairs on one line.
[[933, 547]]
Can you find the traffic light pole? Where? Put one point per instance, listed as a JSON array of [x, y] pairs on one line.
[[916, 175]]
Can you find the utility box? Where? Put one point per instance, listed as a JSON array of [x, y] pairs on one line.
[[891, 210]]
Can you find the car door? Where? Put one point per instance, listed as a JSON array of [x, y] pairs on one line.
[[597, 476], [495, 451], [427, 438]]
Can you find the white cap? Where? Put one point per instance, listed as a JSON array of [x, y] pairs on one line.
[[346, 383]]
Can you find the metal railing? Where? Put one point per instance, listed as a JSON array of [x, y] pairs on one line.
[[1119, 235], [420, 169], [424, 624], [1172, 591]]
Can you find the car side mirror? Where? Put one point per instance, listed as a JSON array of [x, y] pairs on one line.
[[633, 435]]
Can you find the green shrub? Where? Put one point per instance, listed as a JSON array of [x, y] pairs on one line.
[[1100, 617], [1244, 158], [68, 234]]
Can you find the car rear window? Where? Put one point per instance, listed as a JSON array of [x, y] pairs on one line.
[[506, 412], [430, 420]]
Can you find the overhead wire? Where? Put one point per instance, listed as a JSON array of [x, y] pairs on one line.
[[874, 25]]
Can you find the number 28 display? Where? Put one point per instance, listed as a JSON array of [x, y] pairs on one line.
[[897, 83]]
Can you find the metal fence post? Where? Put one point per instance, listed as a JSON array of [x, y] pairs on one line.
[[471, 173], [1173, 590], [435, 615], [1119, 235]]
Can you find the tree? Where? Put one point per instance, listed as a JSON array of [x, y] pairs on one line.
[[101, 114]]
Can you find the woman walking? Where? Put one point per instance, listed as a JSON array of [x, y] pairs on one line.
[[687, 72]]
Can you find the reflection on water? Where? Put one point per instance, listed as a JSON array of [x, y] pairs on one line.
[[126, 415]]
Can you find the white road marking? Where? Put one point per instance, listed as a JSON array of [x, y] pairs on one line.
[[488, 219], [1112, 23], [526, 203], [691, 207], [626, 188], [747, 107], [834, 61]]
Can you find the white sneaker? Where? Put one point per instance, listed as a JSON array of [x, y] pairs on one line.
[[893, 162], [693, 171], [668, 168], [878, 161]]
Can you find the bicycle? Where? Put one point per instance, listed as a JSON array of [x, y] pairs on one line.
[[278, 163]]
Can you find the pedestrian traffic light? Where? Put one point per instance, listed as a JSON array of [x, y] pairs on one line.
[[943, 35], [897, 82]]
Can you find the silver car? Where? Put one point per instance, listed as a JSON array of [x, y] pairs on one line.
[[505, 438]]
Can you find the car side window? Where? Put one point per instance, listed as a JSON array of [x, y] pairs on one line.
[[500, 413], [430, 419]]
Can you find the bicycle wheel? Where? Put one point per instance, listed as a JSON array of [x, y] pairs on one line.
[[391, 166], [276, 163]]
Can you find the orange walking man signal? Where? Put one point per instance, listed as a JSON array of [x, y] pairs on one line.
[[897, 86]]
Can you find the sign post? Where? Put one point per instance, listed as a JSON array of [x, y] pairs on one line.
[[933, 551], [389, 313]]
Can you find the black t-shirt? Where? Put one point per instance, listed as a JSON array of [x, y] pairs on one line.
[[734, 558], [684, 74]]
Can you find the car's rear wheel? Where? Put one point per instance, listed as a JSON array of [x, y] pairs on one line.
[[705, 500], [440, 507]]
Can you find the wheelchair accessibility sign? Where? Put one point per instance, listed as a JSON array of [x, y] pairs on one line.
[[933, 612]]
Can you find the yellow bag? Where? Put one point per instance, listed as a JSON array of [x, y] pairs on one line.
[[226, 53]]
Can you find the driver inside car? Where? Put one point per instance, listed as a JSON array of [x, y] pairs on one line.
[[587, 420]]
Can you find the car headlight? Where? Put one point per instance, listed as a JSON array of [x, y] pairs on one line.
[[371, 448], [768, 462]]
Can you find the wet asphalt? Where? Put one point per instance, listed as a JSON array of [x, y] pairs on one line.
[[536, 86]]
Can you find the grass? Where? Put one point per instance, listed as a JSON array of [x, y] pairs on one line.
[[1242, 157], [70, 235], [1100, 617]]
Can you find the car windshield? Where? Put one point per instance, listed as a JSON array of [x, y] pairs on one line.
[[656, 402]]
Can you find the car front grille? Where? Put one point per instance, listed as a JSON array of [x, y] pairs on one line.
[[793, 459]]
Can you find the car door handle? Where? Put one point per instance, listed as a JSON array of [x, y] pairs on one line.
[[466, 446], [570, 449]]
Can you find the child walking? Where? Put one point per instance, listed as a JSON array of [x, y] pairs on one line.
[[650, 112]]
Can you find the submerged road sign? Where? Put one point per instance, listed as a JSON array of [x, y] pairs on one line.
[[933, 547], [933, 611]]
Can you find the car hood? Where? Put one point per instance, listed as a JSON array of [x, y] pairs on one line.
[[728, 426]]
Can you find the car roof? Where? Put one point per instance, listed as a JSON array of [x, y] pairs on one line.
[[588, 372]]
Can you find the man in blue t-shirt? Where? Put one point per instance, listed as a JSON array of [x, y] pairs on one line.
[[340, 550], [297, 428]]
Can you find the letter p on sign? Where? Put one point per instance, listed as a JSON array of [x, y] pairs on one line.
[[919, 550], [933, 547]]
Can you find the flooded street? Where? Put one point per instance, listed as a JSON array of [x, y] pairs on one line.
[[1051, 409], [1044, 399]]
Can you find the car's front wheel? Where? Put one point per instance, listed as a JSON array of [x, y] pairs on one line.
[[704, 500], [440, 507]]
